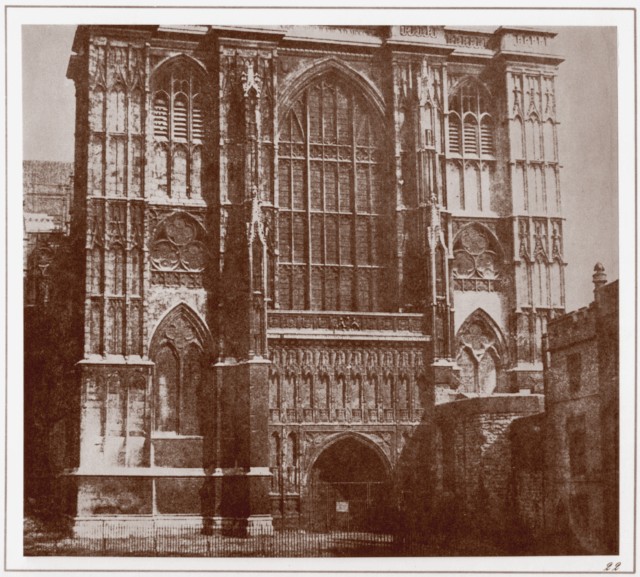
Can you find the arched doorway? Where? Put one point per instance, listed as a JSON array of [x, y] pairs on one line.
[[349, 488]]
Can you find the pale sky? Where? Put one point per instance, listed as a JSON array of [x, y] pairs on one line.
[[587, 111]]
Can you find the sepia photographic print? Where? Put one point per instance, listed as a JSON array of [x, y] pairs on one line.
[[338, 288]]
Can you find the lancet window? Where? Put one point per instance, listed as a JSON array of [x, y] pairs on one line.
[[179, 351]]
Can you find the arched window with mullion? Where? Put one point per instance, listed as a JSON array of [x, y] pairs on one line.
[[471, 130], [180, 99], [330, 201]]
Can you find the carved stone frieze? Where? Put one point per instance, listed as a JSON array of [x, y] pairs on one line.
[[338, 384], [346, 322], [466, 40]]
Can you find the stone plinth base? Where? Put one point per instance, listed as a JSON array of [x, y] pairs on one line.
[[123, 526], [140, 526]]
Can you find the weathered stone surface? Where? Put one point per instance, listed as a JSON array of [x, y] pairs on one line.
[[269, 230], [114, 496], [475, 462], [582, 432]]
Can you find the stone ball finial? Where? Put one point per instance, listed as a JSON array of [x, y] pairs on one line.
[[599, 276]]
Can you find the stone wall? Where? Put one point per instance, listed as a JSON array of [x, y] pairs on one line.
[[528, 483], [474, 466], [582, 436]]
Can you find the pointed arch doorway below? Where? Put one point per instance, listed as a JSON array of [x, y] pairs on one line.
[[349, 489]]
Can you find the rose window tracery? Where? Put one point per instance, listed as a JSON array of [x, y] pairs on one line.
[[178, 247], [476, 263]]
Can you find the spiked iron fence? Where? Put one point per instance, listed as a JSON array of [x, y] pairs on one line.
[[113, 539]]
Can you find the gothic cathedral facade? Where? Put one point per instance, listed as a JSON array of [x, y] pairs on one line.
[[295, 242]]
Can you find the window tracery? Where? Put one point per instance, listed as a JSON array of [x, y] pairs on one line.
[[479, 356], [330, 201], [179, 352], [177, 248], [471, 131], [179, 126], [476, 264]]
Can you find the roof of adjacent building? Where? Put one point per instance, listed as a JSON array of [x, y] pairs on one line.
[[47, 188]]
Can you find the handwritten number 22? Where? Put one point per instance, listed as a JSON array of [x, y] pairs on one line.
[[612, 567]]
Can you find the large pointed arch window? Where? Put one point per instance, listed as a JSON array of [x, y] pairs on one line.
[[330, 201]]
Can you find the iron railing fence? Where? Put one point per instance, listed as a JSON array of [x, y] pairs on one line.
[[120, 539]]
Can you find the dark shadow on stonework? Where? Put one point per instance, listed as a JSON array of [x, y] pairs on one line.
[[51, 345], [415, 485]]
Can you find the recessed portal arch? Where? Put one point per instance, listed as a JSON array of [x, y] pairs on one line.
[[349, 487]]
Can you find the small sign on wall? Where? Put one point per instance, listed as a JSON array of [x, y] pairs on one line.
[[342, 506]]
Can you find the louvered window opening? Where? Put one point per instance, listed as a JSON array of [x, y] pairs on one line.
[[470, 125], [180, 119], [330, 202], [177, 113], [161, 116], [197, 120], [454, 135]]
